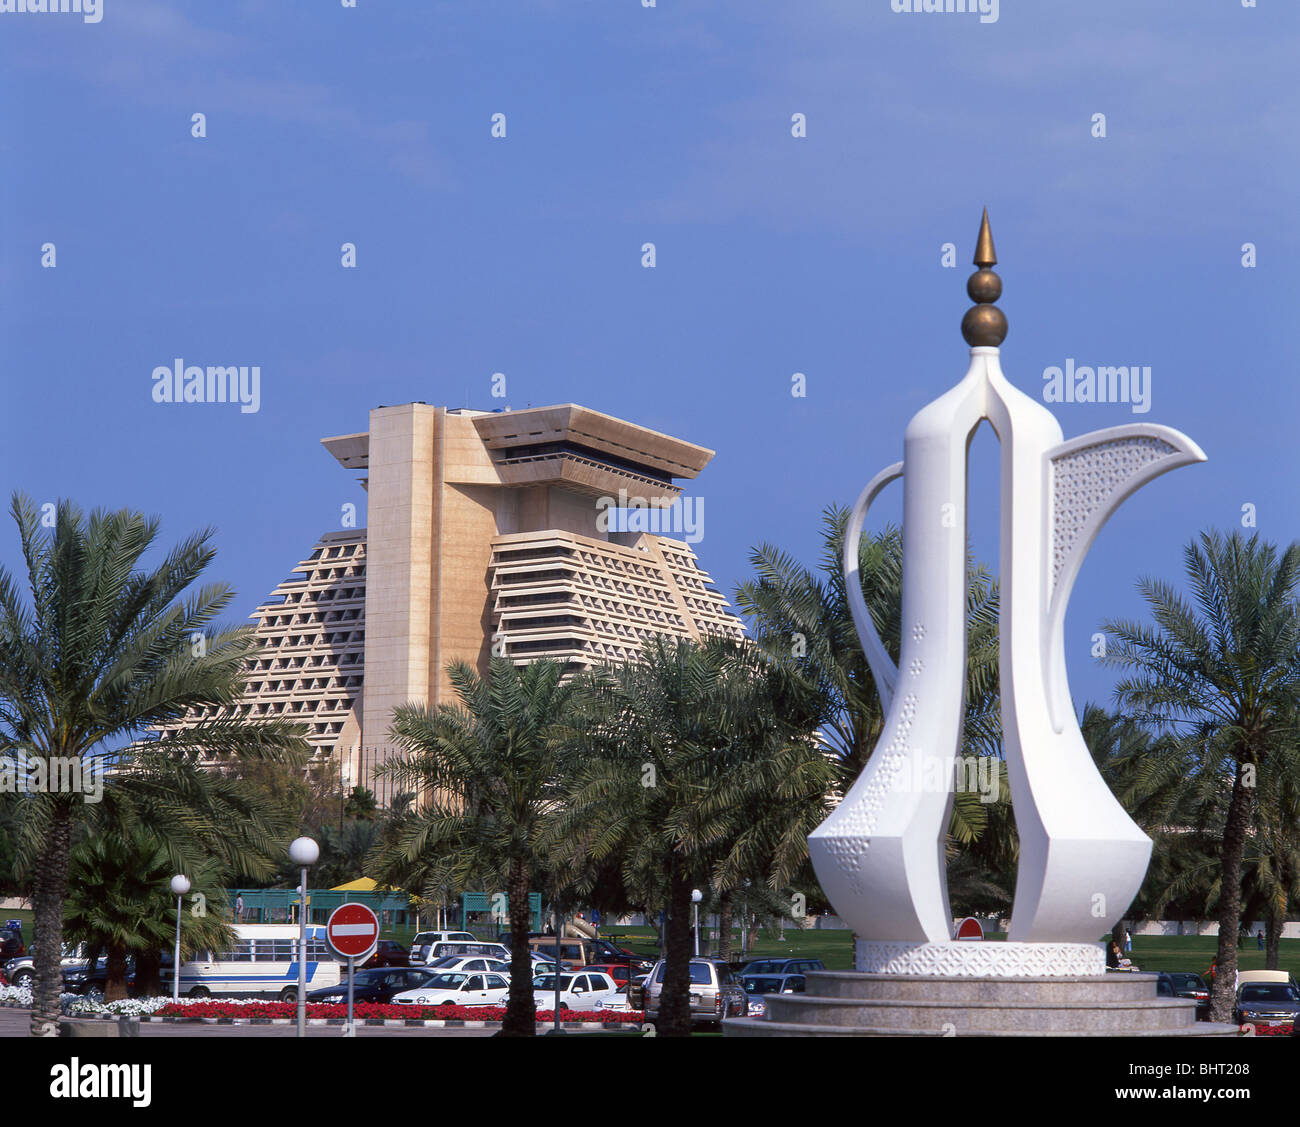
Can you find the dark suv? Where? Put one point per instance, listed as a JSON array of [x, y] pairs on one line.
[[782, 966], [388, 954], [603, 951]]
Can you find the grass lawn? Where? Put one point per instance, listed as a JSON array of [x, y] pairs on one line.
[[834, 948], [1194, 953], [26, 917]]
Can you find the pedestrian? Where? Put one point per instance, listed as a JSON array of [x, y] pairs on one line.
[[1128, 942], [1112, 955], [239, 908]]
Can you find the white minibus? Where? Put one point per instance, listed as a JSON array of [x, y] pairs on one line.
[[262, 962]]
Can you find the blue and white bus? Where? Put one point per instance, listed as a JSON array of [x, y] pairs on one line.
[[262, 962]]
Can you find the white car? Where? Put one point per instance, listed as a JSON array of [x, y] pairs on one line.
[[467, 964], [579, 990], [424, 940], [617, 1004], [452, 988]]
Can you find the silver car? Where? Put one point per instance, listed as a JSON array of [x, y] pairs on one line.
[[714, 992]]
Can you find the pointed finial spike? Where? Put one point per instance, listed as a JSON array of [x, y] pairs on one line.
[[985, 325], [985, 255]]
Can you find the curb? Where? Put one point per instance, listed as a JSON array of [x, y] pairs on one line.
[[397, 1023]]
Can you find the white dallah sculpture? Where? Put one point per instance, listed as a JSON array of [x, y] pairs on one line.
[[880, 854]]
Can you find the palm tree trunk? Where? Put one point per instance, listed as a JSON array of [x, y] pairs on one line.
[[675, 1000], [1272, 940], [1223, 992], [521, 1012], [115, 972], [49, 889], [148, 966], [724, 926], [1275, 919]]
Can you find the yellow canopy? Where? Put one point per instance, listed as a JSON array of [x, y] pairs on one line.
[[362, 884]]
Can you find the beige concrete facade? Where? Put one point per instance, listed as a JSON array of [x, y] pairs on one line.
[[486, 531]]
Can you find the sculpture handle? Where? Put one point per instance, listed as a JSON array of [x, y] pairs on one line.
[[883, 669]]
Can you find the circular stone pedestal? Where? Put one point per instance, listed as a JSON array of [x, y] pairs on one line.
[[977, 959], [852, 1004]]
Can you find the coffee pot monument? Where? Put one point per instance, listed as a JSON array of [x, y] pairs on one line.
[[880, 854]]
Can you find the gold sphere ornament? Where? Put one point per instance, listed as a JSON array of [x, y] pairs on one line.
[[984, 286], [984, 326]]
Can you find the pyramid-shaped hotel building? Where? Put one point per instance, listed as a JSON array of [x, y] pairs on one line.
[[487, 530]]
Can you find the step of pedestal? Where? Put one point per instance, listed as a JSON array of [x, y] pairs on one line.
[[759, 1027], [1115, 1017], [1123, 987]]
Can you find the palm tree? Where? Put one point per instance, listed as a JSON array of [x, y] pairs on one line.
[[801, 619], [119, 902], [1155, 778], [345, 853], [490, 768], [677, 756], [1221, 675], [98, 655], [777, 723]]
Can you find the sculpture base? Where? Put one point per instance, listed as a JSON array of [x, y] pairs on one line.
[[850, 1004], [976, 959]]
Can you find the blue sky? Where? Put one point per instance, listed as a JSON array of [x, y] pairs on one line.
[[522, 255]]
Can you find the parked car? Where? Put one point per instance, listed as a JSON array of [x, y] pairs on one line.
[[19, 971], [578, 991], [781, 966], [621, 973], [1268, 1004], [465, 949], [91, 981], [11, 940], [424, 940], [373, 984], [715, 995], [573, 952], [388, 954], [618, 1002], [469, 964], [1184, 984], [451, 988], [603, 953], [757, 986]]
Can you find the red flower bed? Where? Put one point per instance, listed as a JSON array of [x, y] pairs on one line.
[[1271, 1030], [390, 1012]]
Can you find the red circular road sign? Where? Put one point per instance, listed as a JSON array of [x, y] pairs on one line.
[[970, 928], [353, 930]]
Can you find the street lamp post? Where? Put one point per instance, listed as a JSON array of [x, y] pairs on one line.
[[696, 897], [180, 886], [303, 852]]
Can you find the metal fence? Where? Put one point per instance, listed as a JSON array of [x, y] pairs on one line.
[[281, 905]]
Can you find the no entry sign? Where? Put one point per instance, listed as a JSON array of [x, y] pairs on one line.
[[353, 930]]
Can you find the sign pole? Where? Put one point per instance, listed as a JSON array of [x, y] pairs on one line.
[[350, 1030], [559, 928]]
